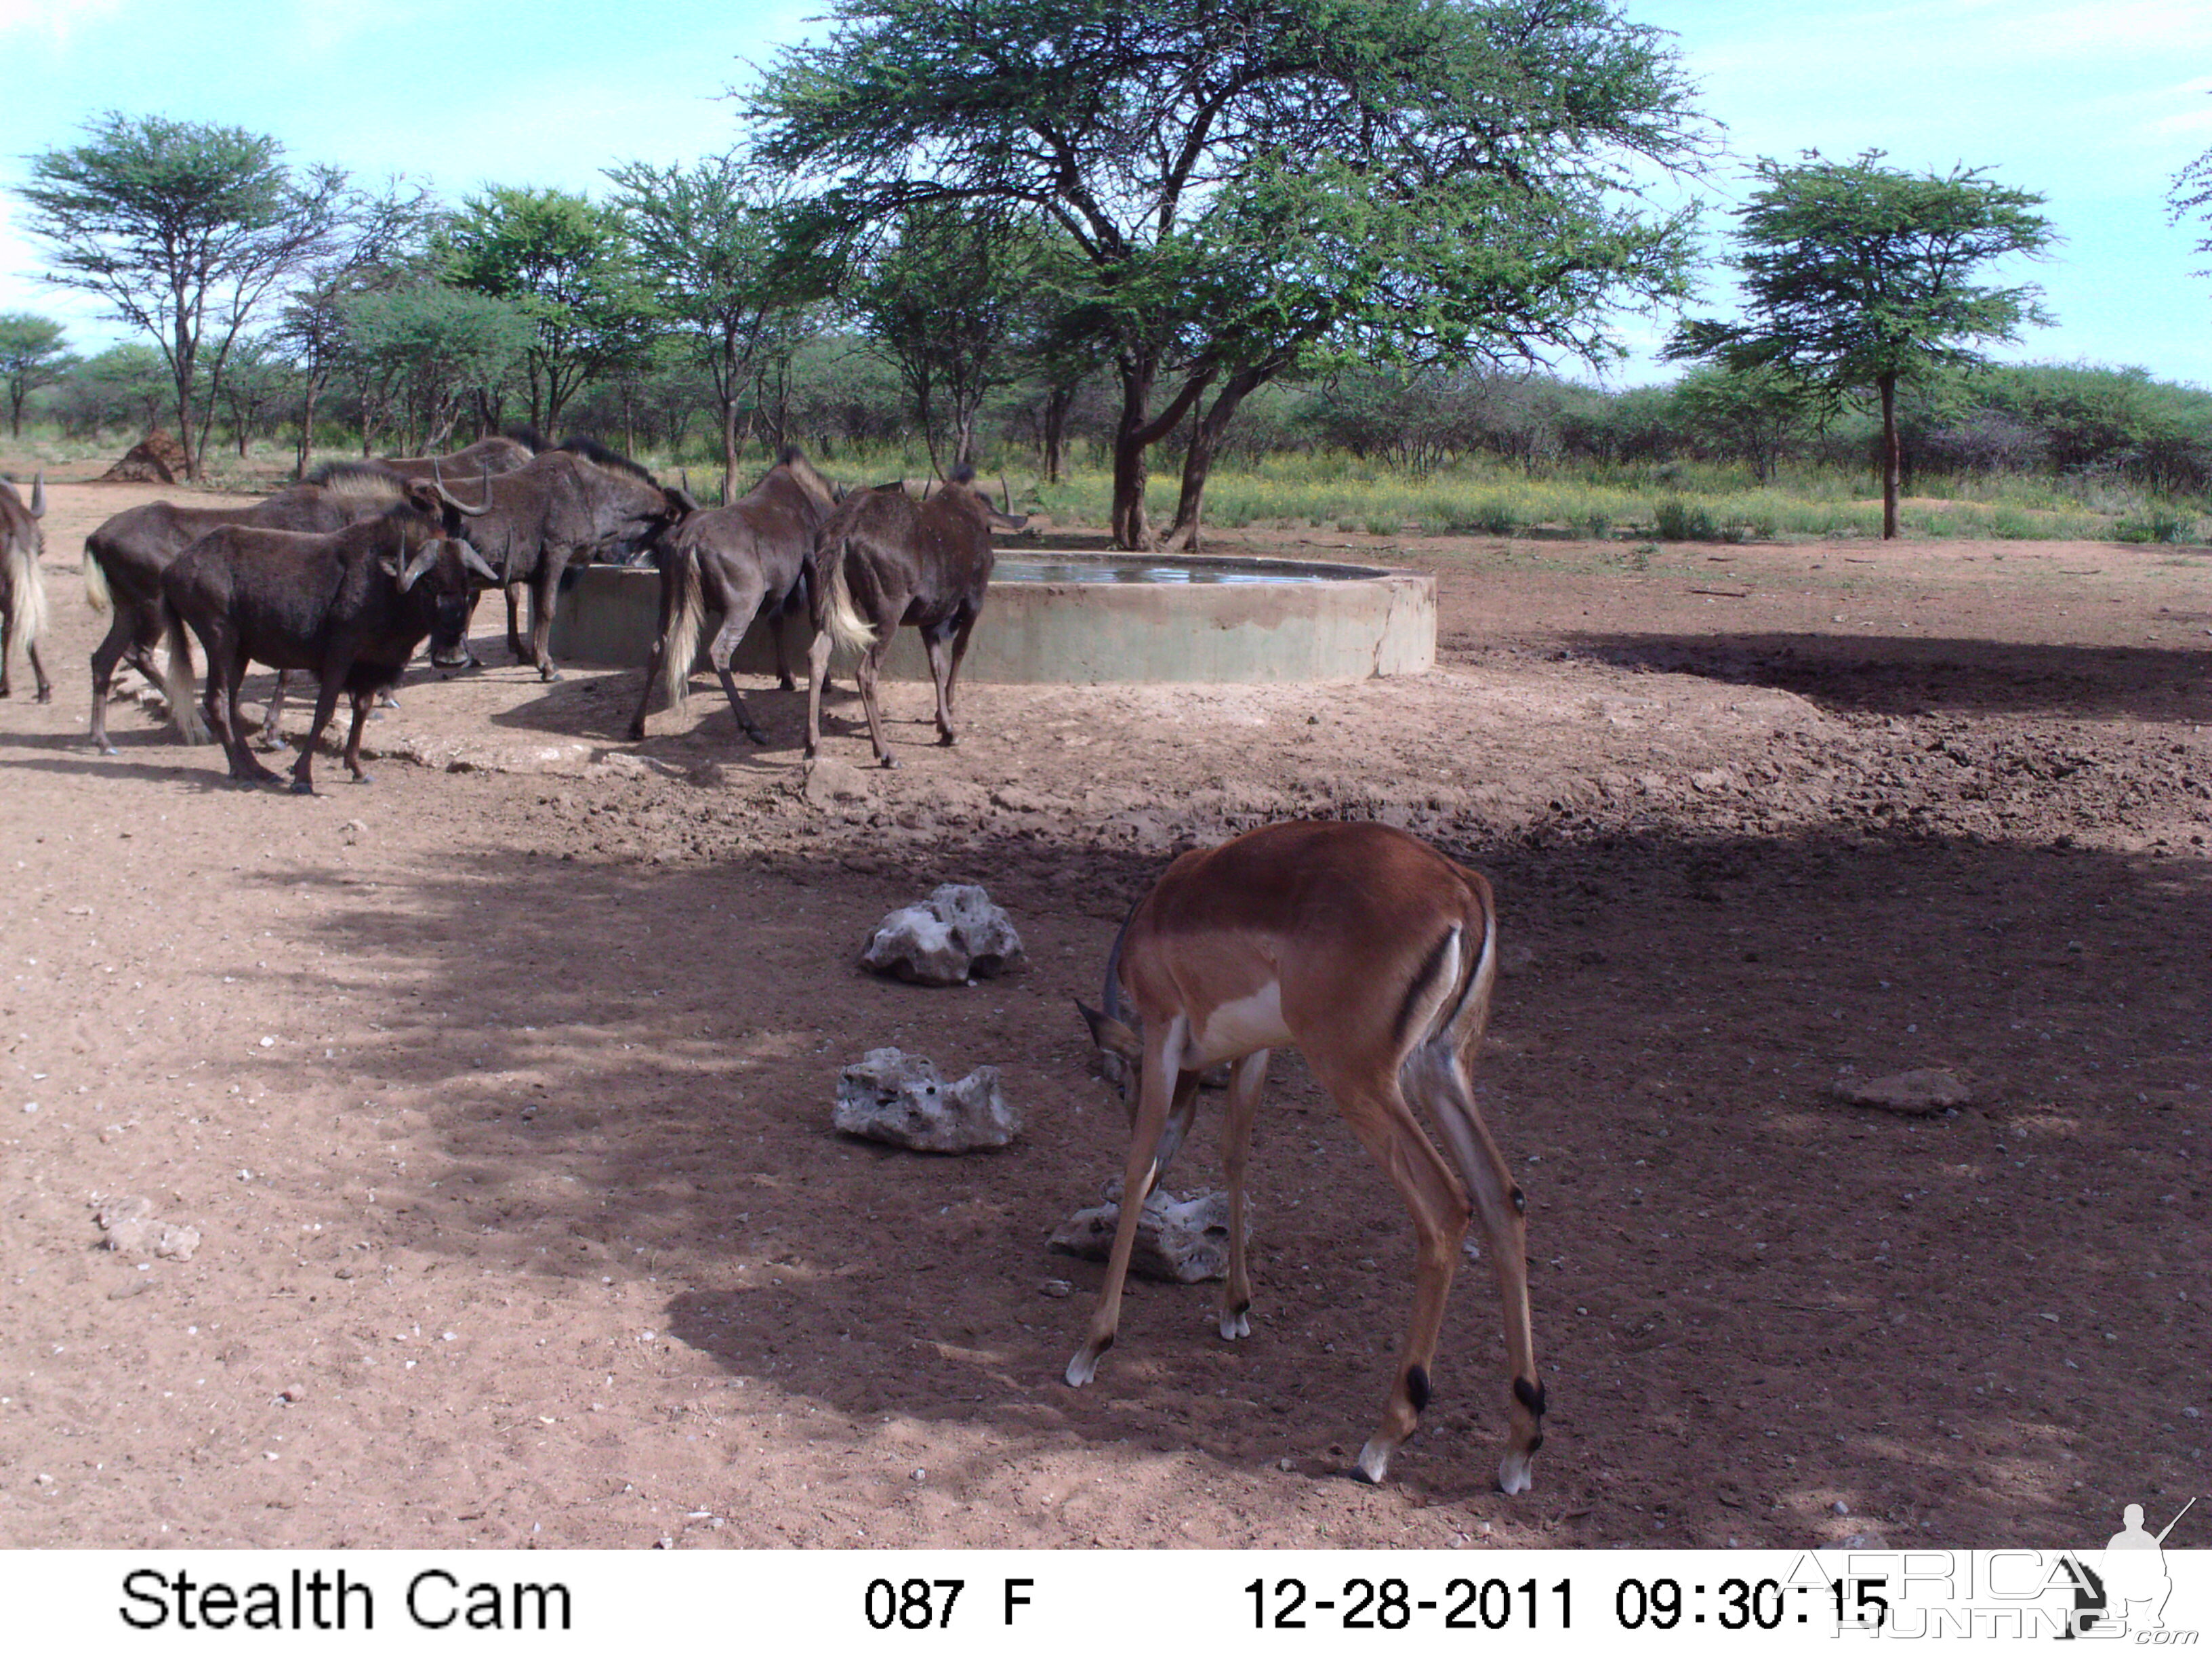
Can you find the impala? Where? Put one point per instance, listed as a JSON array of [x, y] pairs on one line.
[[1374, 956]]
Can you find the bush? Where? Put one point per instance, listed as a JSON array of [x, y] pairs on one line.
[[1677, 521]]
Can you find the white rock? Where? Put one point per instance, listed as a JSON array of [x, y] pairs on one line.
[[954, 935], [1181, 1240], [897, 1098]]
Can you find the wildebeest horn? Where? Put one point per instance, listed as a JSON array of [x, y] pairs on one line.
[[454, 501], [412, 572], [1006, 491], [472, 560], [38, 494]]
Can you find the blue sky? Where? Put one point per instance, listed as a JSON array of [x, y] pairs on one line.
[[2094, 105]]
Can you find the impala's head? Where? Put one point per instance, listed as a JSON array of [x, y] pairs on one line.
[[1119, 1055]]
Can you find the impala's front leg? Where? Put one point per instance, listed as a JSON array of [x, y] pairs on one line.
[[1245, 1082], [1163, 1052]]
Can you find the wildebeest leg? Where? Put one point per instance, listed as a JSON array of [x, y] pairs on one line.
[[544, 593], [817, 675], [361, 706], [122, 633], [38, 669], [226, 673], [870, 660], [326, 703], [272, 723], [933, 647], [959, 655], [740, 601], [514, 621]]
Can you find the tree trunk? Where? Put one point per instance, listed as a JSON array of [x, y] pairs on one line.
[[1057, 402], [1198, 459], [729, 442], [307, 429], [1888, 384]]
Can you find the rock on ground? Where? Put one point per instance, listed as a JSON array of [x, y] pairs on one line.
[[1181, 1240], [132, 1230], [954, 935], [895, 1096], [1915, 1093]]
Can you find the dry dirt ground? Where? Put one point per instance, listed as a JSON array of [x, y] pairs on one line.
[[498, 1091]]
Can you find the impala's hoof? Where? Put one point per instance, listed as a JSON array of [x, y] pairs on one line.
[[1082, 1369], [1374, 1463], [1234, 1325], [1514, 1473]]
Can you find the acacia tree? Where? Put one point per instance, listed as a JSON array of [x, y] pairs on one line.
[[32, 353], [713, 245], [184, 229], [1856, 277], [382, 243], [1250, 182], [945, 297], [2192, 195], [567, 262]]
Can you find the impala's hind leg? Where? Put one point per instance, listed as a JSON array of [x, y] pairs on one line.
[[1439, 1076], [1162, 1047], [1377, 1108], [1245, 1082]]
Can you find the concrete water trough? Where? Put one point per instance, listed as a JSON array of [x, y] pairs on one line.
[[1088, 618]]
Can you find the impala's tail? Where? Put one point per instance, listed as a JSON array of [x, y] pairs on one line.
[[178, 685]]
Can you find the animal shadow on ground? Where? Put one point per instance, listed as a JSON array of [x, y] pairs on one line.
[[1748, 1296]]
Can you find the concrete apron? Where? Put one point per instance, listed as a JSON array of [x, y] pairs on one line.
[[1081, 632]]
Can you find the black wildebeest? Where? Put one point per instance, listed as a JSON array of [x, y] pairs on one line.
[[884, 558], [124, 557], [23, 590], [744, 560], [566, 504], [351, 606], [506, 452]]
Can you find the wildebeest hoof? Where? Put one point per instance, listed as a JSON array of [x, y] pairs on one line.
[[45, 696], [890, 762], [787, 684], [301, 786], [362, 777], [385, 699], [947, 740], [756, 735], [549, 674], [109, 748]]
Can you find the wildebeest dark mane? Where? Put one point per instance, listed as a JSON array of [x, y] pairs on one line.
[[529, 437], [964, 474], [598, 454]]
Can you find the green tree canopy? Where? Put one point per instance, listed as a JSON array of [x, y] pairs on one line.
[[184, 229], [1251, 181], [945, 296], [567, 263], [1857, 276], [33, 352], [420, 352], [713, 243]]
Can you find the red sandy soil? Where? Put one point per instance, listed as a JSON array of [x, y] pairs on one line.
[[499, 1091]]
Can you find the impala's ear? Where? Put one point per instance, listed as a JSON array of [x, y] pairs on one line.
[[1110, 1035]]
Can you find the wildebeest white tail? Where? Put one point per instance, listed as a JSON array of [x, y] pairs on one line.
[[95, 582], [846, 627], [679, 644], [178, 685], [29, 589]]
